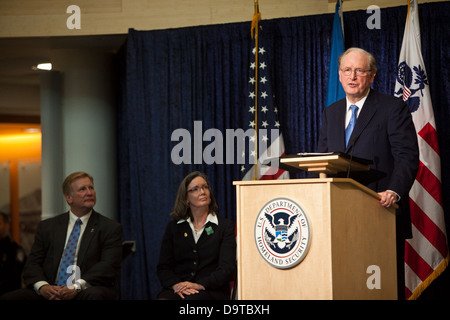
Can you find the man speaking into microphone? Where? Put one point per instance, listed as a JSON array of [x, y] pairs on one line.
[[379, 128]]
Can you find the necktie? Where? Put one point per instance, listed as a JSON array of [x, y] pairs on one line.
[[351, 124], [69, 254]]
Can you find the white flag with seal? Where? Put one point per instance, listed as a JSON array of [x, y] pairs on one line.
[[426, 254]]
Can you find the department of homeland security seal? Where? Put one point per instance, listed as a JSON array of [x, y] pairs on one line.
[[282, 233]]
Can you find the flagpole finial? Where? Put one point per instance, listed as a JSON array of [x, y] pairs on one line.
[[256, 19]]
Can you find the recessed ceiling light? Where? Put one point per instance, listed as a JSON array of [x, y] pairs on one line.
[[31, 130], [44, 66]]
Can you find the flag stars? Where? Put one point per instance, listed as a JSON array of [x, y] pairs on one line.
[[260, 50], [259, 83]]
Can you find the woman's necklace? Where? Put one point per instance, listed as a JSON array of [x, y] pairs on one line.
[[198, 229]]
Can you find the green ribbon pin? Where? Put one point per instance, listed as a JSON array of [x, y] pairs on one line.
[[209, 230]]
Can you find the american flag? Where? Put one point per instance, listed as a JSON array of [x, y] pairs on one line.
[[426, 254], [266, 143]]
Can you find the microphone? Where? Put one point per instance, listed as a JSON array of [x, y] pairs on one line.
[[352, 147]]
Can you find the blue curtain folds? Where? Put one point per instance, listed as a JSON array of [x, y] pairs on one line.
[[194, 79]]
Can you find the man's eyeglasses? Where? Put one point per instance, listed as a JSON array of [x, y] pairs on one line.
[[197, 189], [358, 72]]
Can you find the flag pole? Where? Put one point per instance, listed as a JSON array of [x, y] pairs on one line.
[[254, 33]]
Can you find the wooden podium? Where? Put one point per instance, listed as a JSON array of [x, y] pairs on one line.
[[351, 250]]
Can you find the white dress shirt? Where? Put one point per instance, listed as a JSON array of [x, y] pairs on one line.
[[359, 104], [210, 218]]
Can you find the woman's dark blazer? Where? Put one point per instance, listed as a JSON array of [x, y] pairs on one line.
[[210, 262]]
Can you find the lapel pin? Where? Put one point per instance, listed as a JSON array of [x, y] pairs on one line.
[[185, 235], [209, 230], [92, 230]]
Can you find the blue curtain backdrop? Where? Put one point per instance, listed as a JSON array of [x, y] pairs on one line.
[[171, 78]]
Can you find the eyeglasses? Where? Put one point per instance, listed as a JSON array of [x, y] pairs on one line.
[[205, 187], [358, 72]]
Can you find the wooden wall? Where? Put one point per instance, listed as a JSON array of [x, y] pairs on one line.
[[37, 18]]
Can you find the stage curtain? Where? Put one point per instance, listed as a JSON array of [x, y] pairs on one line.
[[173, 79]]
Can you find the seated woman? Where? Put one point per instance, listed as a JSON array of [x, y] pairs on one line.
[[198, 250]]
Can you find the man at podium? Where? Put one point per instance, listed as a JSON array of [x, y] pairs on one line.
[[373, 126]]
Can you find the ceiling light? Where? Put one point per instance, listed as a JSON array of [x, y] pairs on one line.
[[44, 66], [31, 130]]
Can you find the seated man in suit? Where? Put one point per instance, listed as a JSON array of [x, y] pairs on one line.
[[97, 250]]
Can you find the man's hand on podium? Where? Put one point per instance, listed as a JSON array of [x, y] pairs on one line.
[[388, 198]]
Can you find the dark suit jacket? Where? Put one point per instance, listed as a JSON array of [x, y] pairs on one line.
[[210, 262], [99, 255], [384, 133]]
